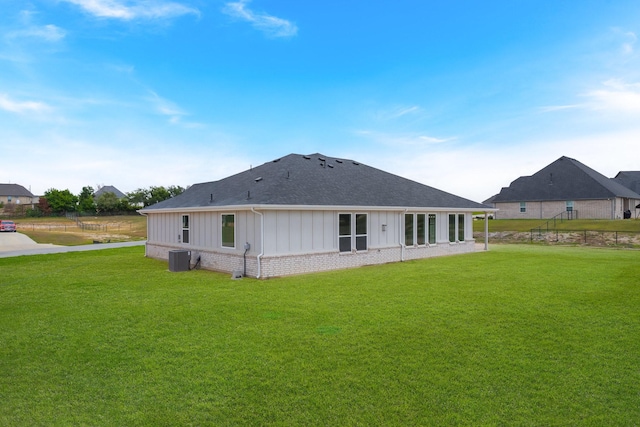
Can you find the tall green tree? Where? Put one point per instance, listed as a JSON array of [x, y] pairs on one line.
[[85, 200], [107, 202], [61, 201]]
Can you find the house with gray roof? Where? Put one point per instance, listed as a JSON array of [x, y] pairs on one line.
[[308, 213], [109, 189], [630, 179], [565, 185], [16, 194]]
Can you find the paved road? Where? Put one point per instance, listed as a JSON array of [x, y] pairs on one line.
[[17, 244]]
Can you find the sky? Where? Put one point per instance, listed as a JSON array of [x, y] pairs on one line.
[[461, 95]]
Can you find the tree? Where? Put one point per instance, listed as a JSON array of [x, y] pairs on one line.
[[143, 197], [85, 200], [61, 201], [158, 194], [175, 190], [138, 197], [107, 202]]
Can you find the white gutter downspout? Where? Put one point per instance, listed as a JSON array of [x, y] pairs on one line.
[[486, 231], [261, 239], [401, 229]]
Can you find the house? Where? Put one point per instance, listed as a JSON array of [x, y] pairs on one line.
[[565, 185], [630, 179], [109, 189], [14, 194], [309, 213]]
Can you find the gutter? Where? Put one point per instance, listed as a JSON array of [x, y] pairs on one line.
[[259, 257], [144, 214], [401, 234]]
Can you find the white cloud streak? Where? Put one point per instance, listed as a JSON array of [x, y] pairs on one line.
[[616, 96], [22, 107], [271, 25], [49, 33], [127, 11]]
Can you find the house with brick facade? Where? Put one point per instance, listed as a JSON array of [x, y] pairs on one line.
[[569, 187], [309, 213]]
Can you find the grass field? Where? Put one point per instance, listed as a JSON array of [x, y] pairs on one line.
[[66, 232], [519, 335]]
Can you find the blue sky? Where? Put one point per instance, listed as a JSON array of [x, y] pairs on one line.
[[464, 96]]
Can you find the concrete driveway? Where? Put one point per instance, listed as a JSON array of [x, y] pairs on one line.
[[17, 244]]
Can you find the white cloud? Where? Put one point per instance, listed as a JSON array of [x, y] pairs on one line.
[[402, 139], [130, 10], [629, 40], [49, 33], [170, 109], [616, 96], [22, 107], [271, 25]]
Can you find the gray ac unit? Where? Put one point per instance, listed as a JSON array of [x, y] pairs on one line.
[[179, 260]]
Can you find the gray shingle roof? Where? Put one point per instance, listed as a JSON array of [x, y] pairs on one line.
[[315, 180], [564, 179], [109, 189], [630, 179], [14, 190]]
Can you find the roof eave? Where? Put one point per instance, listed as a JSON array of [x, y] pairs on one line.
[[264, 207]]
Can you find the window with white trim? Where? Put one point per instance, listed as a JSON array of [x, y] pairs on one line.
[[185, 228], [419, 229], [461, 227], [352, 232], [523, 207], [456, 228], [228, 231], [432, 229], [408, 230]]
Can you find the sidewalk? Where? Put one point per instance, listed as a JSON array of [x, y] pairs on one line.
[[53, 249]]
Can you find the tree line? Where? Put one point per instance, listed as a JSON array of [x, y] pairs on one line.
[[61, 202]]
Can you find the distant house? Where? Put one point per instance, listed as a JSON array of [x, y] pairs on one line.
[[17, 195], [630, 179], [565, 185], [109, 189], [300, 214]]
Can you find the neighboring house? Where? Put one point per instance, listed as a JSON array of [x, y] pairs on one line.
[[630, 179], [565, 185], [17, 195], [301, 214], [109, 189]]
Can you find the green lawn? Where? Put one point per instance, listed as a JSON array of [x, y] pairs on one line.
[[519, 335]]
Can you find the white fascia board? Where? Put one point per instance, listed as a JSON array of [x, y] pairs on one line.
[[313, 208]]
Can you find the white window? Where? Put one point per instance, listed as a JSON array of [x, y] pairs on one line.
[[228, 231], [456, 228], [419, 229], [523, 207], [185, 228], [352, 232]]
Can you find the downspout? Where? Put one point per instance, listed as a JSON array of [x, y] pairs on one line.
[[486, 231], [401, 230], [261, 240], [146, 255]]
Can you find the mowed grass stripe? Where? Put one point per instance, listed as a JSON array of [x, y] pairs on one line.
[[518, 335]]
